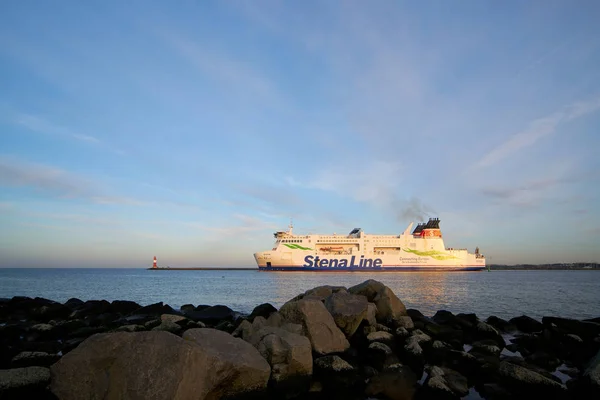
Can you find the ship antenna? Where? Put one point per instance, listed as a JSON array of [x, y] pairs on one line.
[[291, 225]]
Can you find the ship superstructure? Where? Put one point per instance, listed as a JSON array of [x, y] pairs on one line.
[[421, 249]]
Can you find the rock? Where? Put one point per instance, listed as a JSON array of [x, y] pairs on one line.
[[168, 326], [90, 307], [544, 359], [413, 352], [263, 310], [212, 315], [339, 378], [370, 317], [205, 364], [40, 332], [591, 377], [444, 317], [348, 310], [526, 324], [500, 324], [153, 323], [585, 329], [52, 311], [242, 365], [176, 319], [380, 355], [528, 383], [317, 324], [73, 303], [155, 309], [382, 337], [405, 322], [33, 358], [485, 331], [443, 332], [85, 332], [463, 362], [396, 382], [187, 307], [288, 354], [445, 383], [123, 307], [389, 307], [487, 346], [130, 328], [467, 320], [24, 383], [243, 330], [401, 333]]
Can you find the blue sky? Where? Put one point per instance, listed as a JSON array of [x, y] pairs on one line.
[[192, 131]]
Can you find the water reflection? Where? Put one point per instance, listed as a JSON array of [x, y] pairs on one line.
[[505, 294]]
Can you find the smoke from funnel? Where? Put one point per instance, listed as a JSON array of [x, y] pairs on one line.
[[414, 210]]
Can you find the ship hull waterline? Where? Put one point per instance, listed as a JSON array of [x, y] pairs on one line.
[[405, 268]]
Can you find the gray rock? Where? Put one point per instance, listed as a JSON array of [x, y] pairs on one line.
[[317, 324], [23, 383], [381, 337], [176, 319], [168, 326], [288, 354], [130, 328], [444, 382], [527, 382], [348, 310], [591, 375], [33, 358], [395, 382], [205, 364], [389, 307], [370, 317]]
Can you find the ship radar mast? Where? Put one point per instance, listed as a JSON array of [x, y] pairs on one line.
[[291, 226]]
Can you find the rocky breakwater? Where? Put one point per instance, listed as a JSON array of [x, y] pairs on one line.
[[327, 343]]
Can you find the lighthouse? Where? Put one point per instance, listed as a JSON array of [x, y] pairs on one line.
[[154, 265]]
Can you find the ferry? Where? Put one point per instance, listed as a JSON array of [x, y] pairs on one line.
[[420, 250]]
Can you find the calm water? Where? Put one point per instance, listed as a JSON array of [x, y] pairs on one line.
[[505, 294]]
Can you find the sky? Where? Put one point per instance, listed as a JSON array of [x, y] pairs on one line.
[[193, 130]]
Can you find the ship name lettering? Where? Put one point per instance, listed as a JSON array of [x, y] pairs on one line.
[[317, 262]]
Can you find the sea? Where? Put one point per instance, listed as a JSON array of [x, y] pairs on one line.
[[505, 294]]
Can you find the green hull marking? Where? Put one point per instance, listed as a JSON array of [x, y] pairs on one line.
[[432, 253], [296, 246]]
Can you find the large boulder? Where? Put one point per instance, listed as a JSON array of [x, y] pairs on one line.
[[205, 364], [348, 310], [389, 306], [317, 324]]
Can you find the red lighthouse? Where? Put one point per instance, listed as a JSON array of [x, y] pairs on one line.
[[154, 265]]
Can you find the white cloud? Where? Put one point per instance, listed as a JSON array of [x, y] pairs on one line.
[[537, 130]]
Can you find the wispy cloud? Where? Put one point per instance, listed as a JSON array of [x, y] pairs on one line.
[[237, 74], [55, 182], [41, 125], [42, 177], [245, 225], [537, 130], [38, 124], [373, 183]]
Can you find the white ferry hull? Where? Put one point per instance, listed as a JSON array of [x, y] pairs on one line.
[[421, 250], [303, 261]]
